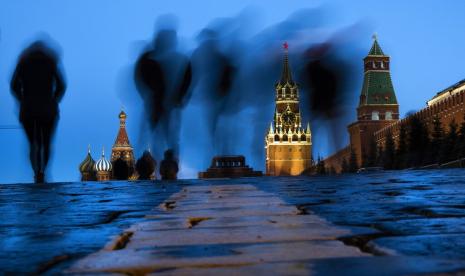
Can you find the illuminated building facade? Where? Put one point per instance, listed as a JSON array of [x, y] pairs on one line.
[[122, 148], [102, 170], [288, 145]]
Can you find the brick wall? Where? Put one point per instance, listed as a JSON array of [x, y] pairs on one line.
[[336, 159], [448, 109]]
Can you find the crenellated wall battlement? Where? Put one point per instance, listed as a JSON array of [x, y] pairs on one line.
[[447, 109]]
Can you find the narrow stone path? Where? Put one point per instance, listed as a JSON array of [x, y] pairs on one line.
[[221, 229]]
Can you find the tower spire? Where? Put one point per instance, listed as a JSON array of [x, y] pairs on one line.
[[122, 137], [122, 148], [286, 76], [377, 86], [375, 48], [122, 118]]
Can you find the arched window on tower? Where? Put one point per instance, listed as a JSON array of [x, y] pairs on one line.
[[295, 138], [285, 139], [375, 115], [388, 115], [303, 138], [276, 137], [381, 64]]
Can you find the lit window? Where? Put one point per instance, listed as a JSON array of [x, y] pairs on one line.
[[375, 115], [388, 115]]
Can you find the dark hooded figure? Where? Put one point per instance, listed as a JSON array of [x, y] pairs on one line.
[[120, 169], [163, 76], [169, 166], [38, 86], [145, 166], [325, 78], [215, 75]]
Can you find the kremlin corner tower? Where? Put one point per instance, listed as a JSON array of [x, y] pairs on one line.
[[378, 105], [288, 145]]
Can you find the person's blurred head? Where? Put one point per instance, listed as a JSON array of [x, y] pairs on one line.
[[169, 154]]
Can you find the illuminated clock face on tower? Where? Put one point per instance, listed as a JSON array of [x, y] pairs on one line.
[[288, 118]]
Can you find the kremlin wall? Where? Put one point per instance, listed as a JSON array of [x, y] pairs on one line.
[[447, 105], [378, 111]]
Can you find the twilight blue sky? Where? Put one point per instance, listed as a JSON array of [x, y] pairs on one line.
[[99, 40]]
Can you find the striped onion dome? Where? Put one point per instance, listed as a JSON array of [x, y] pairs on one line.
[[87, 166], [103, 164]]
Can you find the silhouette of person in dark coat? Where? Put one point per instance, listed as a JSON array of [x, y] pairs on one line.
[[163, 76], [38, 85], [169, 166], [145, 166], [120, 169]]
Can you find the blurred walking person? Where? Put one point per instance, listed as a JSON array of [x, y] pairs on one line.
[[38, 85]]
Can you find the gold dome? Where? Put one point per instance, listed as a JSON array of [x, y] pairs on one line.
[[122, 115]]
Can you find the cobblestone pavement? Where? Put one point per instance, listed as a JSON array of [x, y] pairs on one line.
[[221, 226], [44, 228], [386, 223]]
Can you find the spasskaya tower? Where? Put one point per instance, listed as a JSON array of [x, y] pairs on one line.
[[288, 145]]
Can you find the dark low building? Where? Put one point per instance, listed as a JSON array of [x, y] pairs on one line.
[[230, 166]]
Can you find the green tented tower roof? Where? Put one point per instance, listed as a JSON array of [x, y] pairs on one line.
[[376, 49], [377, 88], [377, 84]]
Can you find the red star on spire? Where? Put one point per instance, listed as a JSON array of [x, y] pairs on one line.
[[285, 45]]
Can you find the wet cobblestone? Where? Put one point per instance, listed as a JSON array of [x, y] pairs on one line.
[[417, 216]]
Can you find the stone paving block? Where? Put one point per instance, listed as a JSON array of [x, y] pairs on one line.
[[155, 258], [235, 225], [292, 268]]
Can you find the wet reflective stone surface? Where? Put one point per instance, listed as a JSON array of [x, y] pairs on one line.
[[419, 213], [399, 223], [44, 228]]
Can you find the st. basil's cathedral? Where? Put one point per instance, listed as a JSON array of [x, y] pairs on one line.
[[121, 152]]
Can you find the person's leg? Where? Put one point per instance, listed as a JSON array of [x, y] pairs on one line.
[[34, 157], [46, 133]]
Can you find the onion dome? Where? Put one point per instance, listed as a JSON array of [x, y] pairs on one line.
[[122, 115], [103, 164], [87, 166]]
